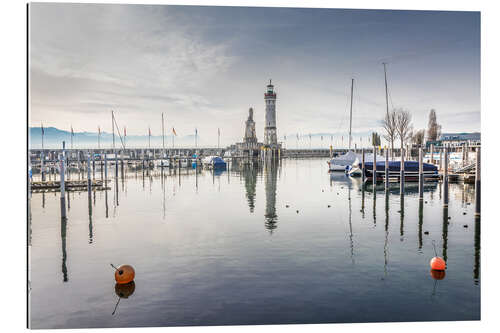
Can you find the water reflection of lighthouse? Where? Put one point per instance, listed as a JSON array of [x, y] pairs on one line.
[[271, 179], [250, 176]]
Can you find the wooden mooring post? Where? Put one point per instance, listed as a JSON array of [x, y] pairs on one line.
[[402, 173], [143, 156], [61, 174], [93, 164], [42, 165], [445, 177], [432, 154], [116, 165], [89, 180], [440, 159], [421, 174], [121, 158], [386, 170], [105, 168], [363, 164], [478, 181], [463, 154]]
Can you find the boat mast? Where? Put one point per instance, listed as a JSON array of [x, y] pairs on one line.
[[163, 135], [350, 115], [113, 128], [386, 95]]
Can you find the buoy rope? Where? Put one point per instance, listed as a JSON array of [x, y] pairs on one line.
[[114, 267], [116, 306], [434, 246]]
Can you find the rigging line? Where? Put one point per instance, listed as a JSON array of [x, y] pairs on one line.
[[389, 92], [390, 98], [343, 116], [118, 129]]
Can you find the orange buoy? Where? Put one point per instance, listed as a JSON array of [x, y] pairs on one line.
[[124, 274], [437, 263], [438, 274]]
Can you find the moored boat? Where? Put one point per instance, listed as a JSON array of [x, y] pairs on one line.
[[214, 162], [411, 171]]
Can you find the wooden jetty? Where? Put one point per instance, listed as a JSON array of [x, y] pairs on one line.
[[69, 185]]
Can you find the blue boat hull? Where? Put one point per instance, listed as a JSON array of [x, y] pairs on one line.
[[411, 170]]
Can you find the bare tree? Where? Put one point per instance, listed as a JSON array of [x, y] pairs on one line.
[[403, 126], [389, 124], [417, 137], [433, 128]]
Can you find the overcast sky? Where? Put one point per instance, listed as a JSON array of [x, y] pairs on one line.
[[205, 66]]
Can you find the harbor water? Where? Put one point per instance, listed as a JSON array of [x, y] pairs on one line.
[[272, 244]]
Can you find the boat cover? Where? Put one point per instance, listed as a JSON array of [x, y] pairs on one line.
[[411, 166]]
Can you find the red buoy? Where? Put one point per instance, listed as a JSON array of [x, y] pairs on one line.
[[437, 263], [124, 274]]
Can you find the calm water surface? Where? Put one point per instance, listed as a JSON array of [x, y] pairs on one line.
[[215, 249]]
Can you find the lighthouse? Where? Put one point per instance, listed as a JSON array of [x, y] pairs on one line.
[[270, 136]]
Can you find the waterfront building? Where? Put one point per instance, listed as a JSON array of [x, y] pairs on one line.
[[457, 139]]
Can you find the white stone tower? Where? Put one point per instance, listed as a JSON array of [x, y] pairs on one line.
[[270, 136]]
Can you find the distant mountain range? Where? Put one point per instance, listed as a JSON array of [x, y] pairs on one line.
[[53, 138]]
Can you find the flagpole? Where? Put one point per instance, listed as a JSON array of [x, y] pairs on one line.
[[149, 138], [124, 137], [99, 137], [218, 138]]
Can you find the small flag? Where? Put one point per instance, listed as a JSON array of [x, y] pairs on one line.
[[173, 131], [149, 129], [72, 134], [43, 131], [322, 138], [195, 131], [297, 136], [125, 131], [99, 129]]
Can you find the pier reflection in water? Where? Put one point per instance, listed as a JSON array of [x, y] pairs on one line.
[[257, 243]]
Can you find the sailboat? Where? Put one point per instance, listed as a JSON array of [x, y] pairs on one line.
[[340, 163]]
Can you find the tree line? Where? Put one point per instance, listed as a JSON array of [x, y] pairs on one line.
[[397, 125]]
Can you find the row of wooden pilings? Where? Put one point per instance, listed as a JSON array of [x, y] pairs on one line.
[[90, 163], [421, 175]]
